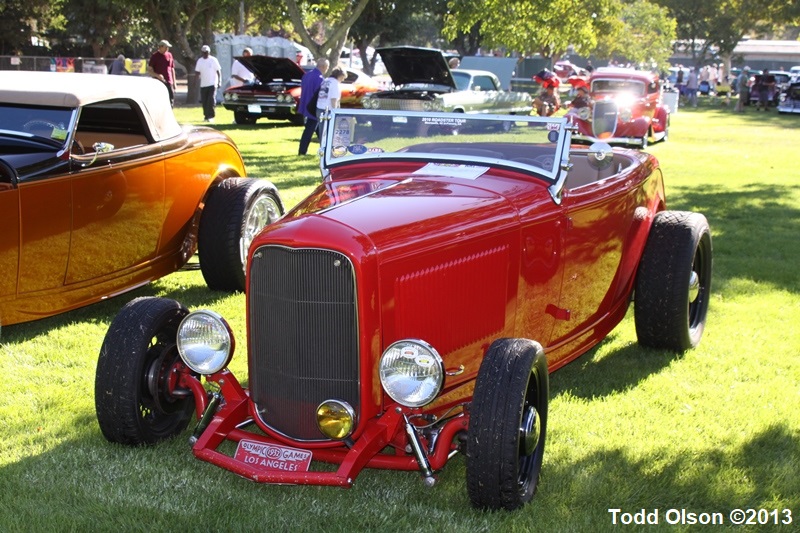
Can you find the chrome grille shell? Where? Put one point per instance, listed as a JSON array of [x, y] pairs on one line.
[[303, 337]]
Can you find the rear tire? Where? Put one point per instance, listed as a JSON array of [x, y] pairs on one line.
[[236, 211], [673, 282], [508, 423], [134, 395]]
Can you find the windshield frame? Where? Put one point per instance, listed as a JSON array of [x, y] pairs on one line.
[[553, 137]]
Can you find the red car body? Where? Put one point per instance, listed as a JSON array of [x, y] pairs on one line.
[[626, 110], [422, 256]]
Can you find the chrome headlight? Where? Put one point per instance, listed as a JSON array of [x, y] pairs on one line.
[[427, 105], [205, 342], [234, 97], [625, 115], [412, 372], [438, 105], [584, 113]]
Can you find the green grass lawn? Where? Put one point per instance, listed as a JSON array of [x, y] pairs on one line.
[[709, 431]]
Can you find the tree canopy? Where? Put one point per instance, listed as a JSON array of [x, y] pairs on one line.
[[639, 31]]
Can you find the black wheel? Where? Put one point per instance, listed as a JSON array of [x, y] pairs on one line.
[[235, 212], [508, 422], [242, 117], [673, 282], [134, 394]]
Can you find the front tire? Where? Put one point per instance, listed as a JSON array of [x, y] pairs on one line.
[[508, 423], [244, 118], [673, 282], [235, 212], [136, 400]]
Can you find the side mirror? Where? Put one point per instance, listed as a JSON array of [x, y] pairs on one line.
[[102, 148]]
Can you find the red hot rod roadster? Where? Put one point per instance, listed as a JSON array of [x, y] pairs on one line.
[[412, 306]]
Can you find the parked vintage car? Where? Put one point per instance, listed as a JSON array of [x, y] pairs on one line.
[[424, 82], [102, 191], [780, 81], [275, 93], [626, 109], [412, 306], [790, 99]]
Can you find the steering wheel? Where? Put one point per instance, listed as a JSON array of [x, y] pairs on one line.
[[35, 124], [544, 161]]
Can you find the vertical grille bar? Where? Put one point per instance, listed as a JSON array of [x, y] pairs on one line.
[[304, 336]]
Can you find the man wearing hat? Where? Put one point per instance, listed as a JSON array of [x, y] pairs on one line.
[[207, 67], [582, 98], [743, 88], [162, 67]]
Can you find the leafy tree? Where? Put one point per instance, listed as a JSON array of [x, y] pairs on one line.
[[385, 22], [103, 24], [338, 17], [643, 35], [23, 20], [547, 27], [720, 25]]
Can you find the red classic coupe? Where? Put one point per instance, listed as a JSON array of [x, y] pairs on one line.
[[626, 109], [412, 306]]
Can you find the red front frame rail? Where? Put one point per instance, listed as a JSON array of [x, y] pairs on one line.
[[380, 432]]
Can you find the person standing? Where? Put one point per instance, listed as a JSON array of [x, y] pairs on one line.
[[162, 67], [210, 73], [309, 87], [743, 88], [692, 86], [239, 73], [118, 66], [765, 88], [330, 93]]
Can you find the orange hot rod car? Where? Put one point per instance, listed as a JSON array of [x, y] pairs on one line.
[[412, 306], [101, 191]]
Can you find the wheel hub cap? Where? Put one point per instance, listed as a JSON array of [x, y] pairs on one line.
[[694, 286], [529, 431]]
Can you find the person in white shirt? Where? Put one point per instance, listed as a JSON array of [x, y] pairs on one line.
[[239, 73], [330, 93], [207, 67]]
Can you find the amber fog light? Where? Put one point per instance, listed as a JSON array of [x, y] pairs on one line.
[[412, 372], [205, 342], [336, 419]]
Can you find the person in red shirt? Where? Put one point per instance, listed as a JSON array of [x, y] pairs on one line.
[[162, 67]]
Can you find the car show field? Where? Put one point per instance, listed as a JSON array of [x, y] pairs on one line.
[[706, 432]]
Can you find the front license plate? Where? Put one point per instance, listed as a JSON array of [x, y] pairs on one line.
[[254, 108], [273, 456]]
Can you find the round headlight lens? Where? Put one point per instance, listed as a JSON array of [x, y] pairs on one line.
[[336, 419], [625, 115], [205, 342], [584, 113], [412, 372]]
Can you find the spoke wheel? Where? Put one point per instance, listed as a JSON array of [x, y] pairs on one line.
[[235, 213]]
